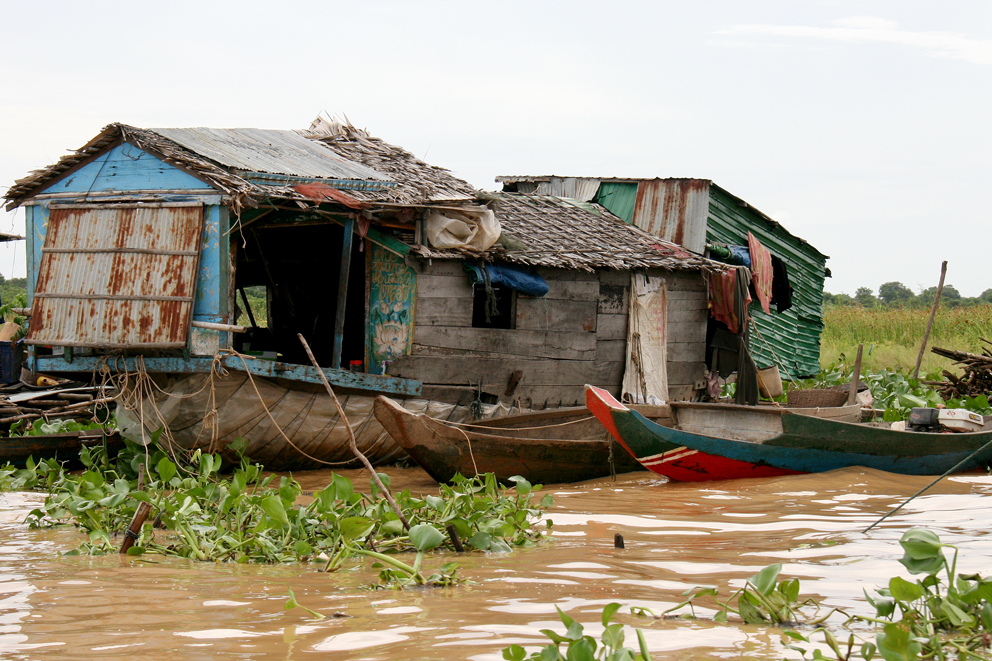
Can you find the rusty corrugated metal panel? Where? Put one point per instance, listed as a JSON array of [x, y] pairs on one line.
[[675, 210], [117, 276]]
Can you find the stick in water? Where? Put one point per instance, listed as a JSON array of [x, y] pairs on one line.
[[351, 437], [134, 530]]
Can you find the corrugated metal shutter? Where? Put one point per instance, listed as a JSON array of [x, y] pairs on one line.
[[117, 276]]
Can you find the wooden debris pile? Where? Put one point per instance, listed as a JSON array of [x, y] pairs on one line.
[[977, 379], [47, 405]]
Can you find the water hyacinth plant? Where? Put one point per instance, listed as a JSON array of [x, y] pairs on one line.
[[247, 516], [929, 618]]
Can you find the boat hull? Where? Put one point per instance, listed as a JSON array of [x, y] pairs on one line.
[[546, 447], [288, 425], [63, 447], [789, 444], [663, 456]]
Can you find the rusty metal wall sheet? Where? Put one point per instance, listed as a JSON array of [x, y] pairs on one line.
[[269, 150], [119, 276], [675, 210]]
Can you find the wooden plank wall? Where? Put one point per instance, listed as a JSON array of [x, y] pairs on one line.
[[574, 335]]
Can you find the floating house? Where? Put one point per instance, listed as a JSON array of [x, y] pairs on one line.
[[697, 213], [402, 278]]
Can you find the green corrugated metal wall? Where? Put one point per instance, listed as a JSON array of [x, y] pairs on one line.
[[619, 198], [792, 338]]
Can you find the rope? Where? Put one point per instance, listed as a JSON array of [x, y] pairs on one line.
[[468, 440], [490, 427], [781, 363], [953, 469]]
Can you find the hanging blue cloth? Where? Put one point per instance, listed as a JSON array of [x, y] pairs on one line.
[[524, 280], [739, 255]]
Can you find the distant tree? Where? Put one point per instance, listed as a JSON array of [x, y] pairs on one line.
[[986, 296], [837, 299], [949, 296], [895, 293], [865, 297]]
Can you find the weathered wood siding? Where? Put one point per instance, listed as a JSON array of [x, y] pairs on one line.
[[576, 334]]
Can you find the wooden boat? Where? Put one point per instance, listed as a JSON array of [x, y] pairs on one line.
[[730, 443], [547, 447], [63, 446]]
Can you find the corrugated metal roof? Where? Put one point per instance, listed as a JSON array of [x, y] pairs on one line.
[[619, 198], [790, 339], [269, 150], [675, 210], [117, 276]]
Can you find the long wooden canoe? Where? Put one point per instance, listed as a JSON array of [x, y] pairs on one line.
[[547, 447], [711, 448], [63, 446]]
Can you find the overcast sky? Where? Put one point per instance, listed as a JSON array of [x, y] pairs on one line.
[[863, 127]]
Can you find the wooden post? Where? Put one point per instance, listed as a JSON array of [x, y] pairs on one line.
[[346, 243], [933, 313], [455, 539], [855, 378], [133, 530]]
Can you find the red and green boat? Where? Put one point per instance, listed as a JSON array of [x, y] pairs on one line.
[[723, 441]]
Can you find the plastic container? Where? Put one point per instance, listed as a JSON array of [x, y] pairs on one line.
[[11, 358], [770, 382], [355, 365]]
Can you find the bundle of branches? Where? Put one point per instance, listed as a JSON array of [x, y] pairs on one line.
[[977, 378], [81, 405]]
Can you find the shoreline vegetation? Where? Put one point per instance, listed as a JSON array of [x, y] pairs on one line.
[[891, 335]]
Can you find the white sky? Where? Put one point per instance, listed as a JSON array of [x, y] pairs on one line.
[[864, 127]]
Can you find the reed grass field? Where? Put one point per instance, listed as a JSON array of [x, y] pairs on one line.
[[892, 336]]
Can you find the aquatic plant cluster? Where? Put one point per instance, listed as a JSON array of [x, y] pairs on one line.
[[247, 516], [929, 618]]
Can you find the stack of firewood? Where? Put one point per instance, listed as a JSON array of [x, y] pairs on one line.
[[977, 378]]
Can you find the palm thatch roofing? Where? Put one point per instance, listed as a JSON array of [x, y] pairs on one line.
[[417, 181], [541, 230]]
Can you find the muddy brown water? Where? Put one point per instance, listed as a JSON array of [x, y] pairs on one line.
[[677, 536]]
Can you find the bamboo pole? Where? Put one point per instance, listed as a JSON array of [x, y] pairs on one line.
[[933, 313], [351, 437], [134, 530]]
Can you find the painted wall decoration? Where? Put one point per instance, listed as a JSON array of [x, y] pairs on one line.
[[392, 297]]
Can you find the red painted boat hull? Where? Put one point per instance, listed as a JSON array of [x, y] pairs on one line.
[[677, 463]]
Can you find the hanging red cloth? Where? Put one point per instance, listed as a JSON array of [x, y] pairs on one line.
[[722, 294], [761, 270]]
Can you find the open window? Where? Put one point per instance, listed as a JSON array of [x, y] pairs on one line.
[[494, 307]]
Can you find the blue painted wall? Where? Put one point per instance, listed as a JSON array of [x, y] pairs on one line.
[[213, 280], [125, 168]]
